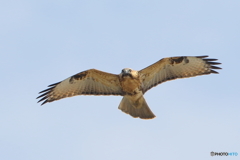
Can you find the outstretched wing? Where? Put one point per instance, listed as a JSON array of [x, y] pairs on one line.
[[89, 82], [176, 67]]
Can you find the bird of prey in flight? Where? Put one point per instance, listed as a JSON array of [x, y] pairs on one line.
[[130, 84]]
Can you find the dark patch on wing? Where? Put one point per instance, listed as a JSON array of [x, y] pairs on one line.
[[78, 76], [176, 60]]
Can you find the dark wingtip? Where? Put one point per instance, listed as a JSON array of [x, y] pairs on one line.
[[215, 72], [44, 102], [205, 56], [215, 67], [208, 59], [212, 65], [54, 84], [45, 93], [43, 99], [46, 90]]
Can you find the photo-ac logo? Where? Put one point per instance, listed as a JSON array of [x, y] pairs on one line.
[[223, 153]]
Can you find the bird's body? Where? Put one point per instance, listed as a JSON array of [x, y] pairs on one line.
[[130, 81], [130, 84]]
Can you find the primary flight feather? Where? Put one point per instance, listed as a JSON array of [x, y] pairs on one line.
[[129, 83]]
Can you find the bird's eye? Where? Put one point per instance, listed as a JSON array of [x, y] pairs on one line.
[[130, 70], [122, 70]]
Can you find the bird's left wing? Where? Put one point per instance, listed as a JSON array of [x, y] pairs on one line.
[[89, 82], [176, 67]]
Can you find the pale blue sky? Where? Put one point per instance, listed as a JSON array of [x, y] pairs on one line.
[[43, 42]]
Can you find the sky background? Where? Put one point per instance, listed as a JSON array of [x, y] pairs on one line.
[[43, 42]]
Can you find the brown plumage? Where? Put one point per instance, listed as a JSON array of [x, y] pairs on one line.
[[129, 83]]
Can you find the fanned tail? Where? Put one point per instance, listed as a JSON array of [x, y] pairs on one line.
[[136, 109]]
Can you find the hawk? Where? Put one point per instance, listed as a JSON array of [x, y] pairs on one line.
[[130, 84]]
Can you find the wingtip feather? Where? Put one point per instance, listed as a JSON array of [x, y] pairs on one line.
[[54, 84], [215, 67], [44, 102], [205, 56], [210, 59], [215, 72]]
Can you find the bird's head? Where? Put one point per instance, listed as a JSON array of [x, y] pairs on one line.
[[128, 72]]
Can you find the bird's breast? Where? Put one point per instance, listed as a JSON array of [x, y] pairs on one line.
[[130, 85]]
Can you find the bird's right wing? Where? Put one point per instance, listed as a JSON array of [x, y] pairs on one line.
[[89, 82]]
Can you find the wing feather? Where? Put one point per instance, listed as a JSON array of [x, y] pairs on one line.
[[176, 67], [89, 82]]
